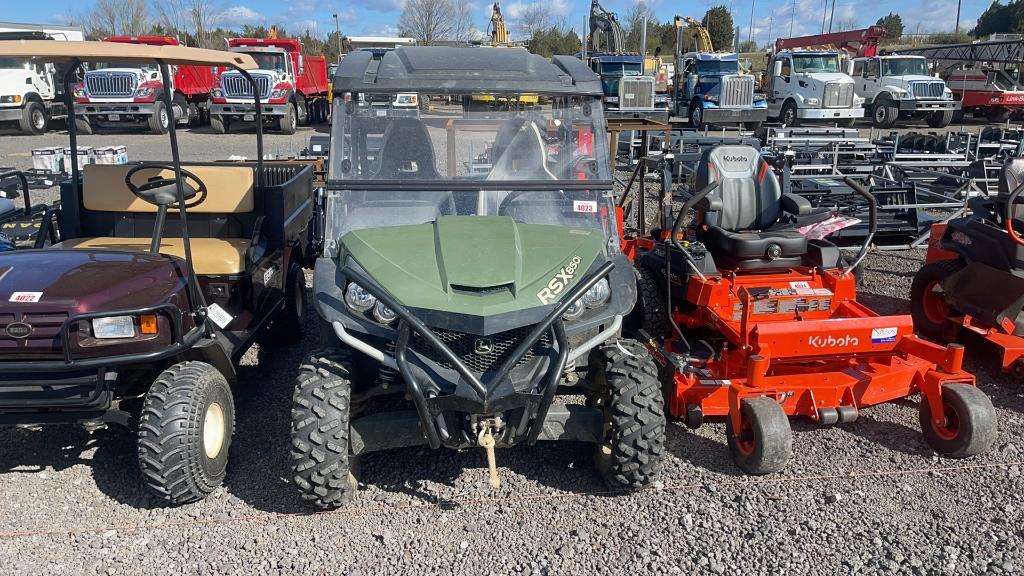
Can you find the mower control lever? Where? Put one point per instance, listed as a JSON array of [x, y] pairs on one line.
[[872, 220], [678, 227], [1008, 215]]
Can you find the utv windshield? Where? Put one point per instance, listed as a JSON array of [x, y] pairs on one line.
[[815, 63], [717, 66], [537, 159], [904, 67]]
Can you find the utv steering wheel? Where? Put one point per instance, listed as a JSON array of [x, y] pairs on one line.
[[163, 191], [514, 195]]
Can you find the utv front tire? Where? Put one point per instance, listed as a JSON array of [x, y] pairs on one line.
[[649, 313], [322, 468], [630, 455], [185, 429]]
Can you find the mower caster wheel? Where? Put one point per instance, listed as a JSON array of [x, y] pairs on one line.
[[828, 417], [694, 416], [1017, 369], [847, 414], [970, 424], [765, 442]]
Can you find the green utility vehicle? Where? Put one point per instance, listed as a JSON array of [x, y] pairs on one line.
[[472, 289]]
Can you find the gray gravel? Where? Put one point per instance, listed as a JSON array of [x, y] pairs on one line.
[[864, 498]]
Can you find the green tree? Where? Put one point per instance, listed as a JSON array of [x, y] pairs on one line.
[[555, 40], [1000, 18], [718, 21], [893, 25]]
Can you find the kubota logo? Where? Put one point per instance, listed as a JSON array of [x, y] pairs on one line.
[[728, 158], [832, 341], [560, 282]]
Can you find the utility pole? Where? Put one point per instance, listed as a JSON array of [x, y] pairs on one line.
[[824, 13], [337, 32], [792, 18], [750, 32], [833, 15], [956, 30], [771, 23]]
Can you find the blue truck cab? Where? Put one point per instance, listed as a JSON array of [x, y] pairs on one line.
[[623, 81], [710, 89]]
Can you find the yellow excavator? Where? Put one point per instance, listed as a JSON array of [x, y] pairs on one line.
[[500, 38], [695, 35], [499, 32]]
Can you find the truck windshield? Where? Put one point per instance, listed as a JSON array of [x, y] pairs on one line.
[[449, 156], [811, 63], [11, 63], [717, 66], [622, 69], [904, 67], [130, 66], [269, 60]]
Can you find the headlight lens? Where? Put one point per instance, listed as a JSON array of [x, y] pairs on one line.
[[144, 92], [575, 310], [277, 93], [383, 314], [218, 93], [13, 99], [598, 294], [114, 327], [358, 299], [812, 101]]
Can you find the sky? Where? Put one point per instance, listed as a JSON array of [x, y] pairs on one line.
[[772, 18]]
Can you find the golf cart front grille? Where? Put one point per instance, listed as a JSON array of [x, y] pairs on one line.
[[110, 84], [43, 337], [480, 353]]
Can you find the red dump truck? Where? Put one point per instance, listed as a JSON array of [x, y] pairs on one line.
[[293, 87], [113, 92]]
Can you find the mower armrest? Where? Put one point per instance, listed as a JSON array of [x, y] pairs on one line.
[[816, 215], [710, 203], [795, 204]]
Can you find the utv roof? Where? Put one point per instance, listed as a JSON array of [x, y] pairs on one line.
[[442, 69], [88, 51]]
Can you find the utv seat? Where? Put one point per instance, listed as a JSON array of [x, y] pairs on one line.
[[750, 224], [407, 152], [229, 202]]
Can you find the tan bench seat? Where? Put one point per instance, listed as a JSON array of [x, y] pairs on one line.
[[210, 256]]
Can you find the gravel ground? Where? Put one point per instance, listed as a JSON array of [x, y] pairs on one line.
[[864, 498]]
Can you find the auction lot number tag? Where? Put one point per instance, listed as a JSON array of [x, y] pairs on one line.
[[26, 297]]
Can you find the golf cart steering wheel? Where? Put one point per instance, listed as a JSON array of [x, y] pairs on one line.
[[164, 191]]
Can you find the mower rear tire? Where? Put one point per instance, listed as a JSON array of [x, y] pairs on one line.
[[971, 425], [630, 456], [765, 444], [185, 430], [649, 313], [928, 309], [322, 468]]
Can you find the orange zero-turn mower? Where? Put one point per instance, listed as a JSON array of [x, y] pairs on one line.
[[972, 282], [753, 321]]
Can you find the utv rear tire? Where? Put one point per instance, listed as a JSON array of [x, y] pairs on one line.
[[649, 313], [765, 444], [185, 429], [928, 309], [33, 119], [322, 468], [219, 124], [286, 327], [940, 119], [160, 121], [971, 425], [630, 457], [287, 122]]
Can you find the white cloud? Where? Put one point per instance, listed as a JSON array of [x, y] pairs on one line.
[[237, 16]]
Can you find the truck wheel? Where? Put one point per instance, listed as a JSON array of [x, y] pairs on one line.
[[286, 328], [160, 121], [185, 429], [83, 126], [928, 305], [219, 124], [970, 424], [33, 118], [765, 443], [630, 454], [999, 115], [649, 313], [846, 122], [789, 115], [696, 116], [751, 126], [884, 114], [287, 122], [940, 119], [303, 112], [322, 468]]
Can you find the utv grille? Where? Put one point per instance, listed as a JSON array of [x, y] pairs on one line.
[[465, 346], [237, 86], [636, 92], [110, 85], [737, 92], [838, 95], [927, 89], [478, 291]]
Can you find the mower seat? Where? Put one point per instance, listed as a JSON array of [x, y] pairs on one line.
[[1010, 177], [745, 217]]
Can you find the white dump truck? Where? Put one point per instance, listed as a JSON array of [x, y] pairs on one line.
[[808, 86], [32, 94]]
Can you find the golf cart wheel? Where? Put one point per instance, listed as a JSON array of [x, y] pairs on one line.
[[884, 114], [160, 121], [83, 126], [322, 468], [970, 422], [287, 123], [928, 306], [185, 429], [219, 124], [940, 119], [630, 456], [33, 119], [789, 116], [649, 313], [765, 442]]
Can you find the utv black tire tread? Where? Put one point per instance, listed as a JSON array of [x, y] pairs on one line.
[[977, 422], [321, 465], [170, 432], [636, 413], [933, 272]]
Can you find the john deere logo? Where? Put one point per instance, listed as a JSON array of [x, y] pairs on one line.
[[19, 330], [483, 346]]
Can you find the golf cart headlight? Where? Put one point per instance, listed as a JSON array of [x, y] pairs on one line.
[[13, 99], [575, 310], [113, 327], [812, 101], [383, 314], [598, 294], [358, 299]]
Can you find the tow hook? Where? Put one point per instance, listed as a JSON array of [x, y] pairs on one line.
[[486, 439]]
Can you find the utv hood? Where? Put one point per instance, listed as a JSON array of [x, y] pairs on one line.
[[477, 265], [79, 281]]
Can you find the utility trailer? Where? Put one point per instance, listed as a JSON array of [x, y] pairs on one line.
[[31, 95]]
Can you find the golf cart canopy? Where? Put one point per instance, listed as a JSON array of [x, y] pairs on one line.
[[88, 51], [438, 69]]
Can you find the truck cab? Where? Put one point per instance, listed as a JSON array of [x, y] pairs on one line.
[[625, 86], [811, 86], [710, 89], [896, 86], [31, 93]]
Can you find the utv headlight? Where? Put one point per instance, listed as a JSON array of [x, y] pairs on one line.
[[358, 299], [13, 99], [598, 294], [383, 314], [574, 311], [812, 101], [113, 327]]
